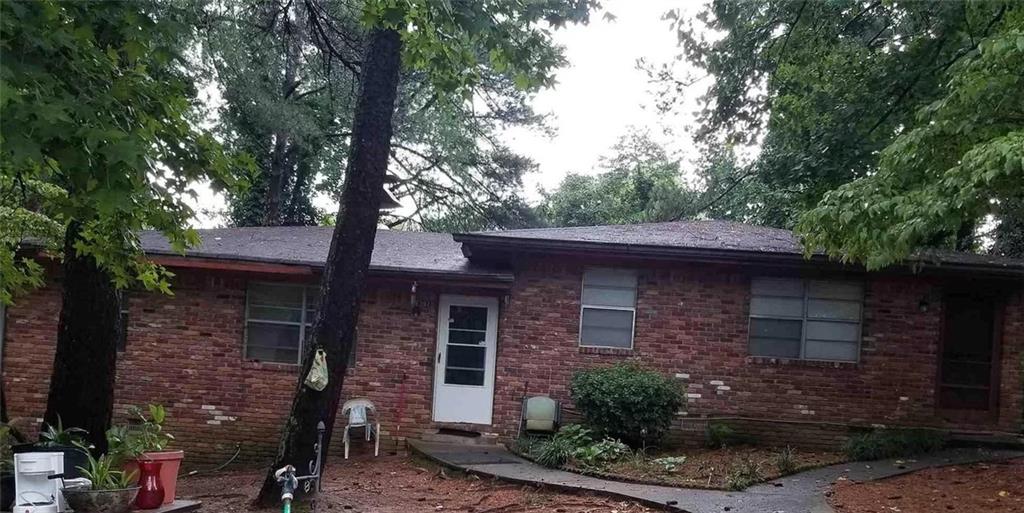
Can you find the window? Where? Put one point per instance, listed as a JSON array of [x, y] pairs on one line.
[[278, 318], [805, 319], [608, 308]]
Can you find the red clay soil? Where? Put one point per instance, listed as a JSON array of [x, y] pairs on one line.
[[399, 484], [979, 488]]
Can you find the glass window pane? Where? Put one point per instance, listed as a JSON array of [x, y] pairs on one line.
[[467, 317], [775, 347], [776, 328], [463, 377], [275, 295], [273, 313], [608, 296], [621, 278], [833, 309], [466, 337], [777, 287], [825, 330], [850, 290], [466, 357], [777, 306], [836, 351], [272, 342], [607, 328]]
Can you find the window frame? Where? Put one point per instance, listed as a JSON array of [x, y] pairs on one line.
[[303, 323], [804, 318], [632, 309]]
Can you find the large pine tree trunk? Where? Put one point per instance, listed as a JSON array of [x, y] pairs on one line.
[[349, 258], [82, 385]]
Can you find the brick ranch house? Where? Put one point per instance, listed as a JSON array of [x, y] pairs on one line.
[[456, 330]]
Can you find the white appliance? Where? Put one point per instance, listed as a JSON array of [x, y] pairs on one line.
[[34, 491]]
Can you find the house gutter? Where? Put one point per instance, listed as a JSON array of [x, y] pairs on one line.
[[491, 247]]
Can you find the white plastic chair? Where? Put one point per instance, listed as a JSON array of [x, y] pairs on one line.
[[359, 411]]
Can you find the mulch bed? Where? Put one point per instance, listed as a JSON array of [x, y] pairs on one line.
[[996, 487], [399, 484], [710, 468]]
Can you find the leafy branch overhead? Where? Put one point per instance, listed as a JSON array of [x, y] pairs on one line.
[[98, 128]]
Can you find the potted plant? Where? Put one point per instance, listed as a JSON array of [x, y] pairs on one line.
[[145, 439], [112, 490], [69, 441]]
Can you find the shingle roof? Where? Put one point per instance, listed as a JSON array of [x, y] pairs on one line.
[[416, 252], [721, 237]]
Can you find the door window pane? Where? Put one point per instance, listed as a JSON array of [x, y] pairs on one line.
[[463, 377], [466, 357], [468, 337], [467, 318]]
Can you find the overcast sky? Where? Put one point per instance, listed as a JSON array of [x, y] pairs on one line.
[[599, 96]]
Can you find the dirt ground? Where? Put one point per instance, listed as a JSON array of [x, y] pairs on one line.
[[399, 484], [982, 487], [710, 468]]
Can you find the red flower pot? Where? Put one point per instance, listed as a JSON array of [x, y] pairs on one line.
[[151, 491], [171, 463]]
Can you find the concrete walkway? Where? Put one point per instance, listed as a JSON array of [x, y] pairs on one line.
[[798, 493]]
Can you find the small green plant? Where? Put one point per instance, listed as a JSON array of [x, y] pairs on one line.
[[893, 443], [55, 436], [743, 474], [785, 460], [670, 463], [627, 402], [102, 474], [561, 447], [599, 454], [144, 434], [721, 435]]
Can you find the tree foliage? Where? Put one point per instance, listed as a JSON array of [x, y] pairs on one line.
[[962, 161], [823, 87], [96, 127], [290, 106]]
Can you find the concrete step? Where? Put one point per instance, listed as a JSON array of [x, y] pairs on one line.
[[454, 437], [991, 441]]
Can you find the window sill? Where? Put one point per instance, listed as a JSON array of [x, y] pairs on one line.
[[607, 351], [290, 368], [789, 362]]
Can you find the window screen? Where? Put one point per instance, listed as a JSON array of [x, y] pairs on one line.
[[808, 319], [278, 320], [608, 308]]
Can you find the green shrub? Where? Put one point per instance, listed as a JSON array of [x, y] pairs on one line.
[[561, 447], [893, 443], [596, 455], [743, 474], [721, 435], [785, 460], [627, 402]]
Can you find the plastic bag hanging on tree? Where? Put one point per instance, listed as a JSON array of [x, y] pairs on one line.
[[317, 377]]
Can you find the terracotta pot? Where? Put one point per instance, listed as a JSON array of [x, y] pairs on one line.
[[101, 501], [170, 464]]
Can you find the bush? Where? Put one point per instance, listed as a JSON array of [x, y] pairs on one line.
[[722, 435], [893, 443], [605, 451], [563, 446], [785, 460], [627, 402], [743, 474]]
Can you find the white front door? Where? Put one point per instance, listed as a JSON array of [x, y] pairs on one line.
[[467, 333]]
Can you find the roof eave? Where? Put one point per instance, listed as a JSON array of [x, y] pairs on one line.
[[477, 245]]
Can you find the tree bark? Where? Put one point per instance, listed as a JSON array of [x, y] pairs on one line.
[[348, 260], [84, 366]]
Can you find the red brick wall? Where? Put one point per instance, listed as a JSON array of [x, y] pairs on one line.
[[185, 351]]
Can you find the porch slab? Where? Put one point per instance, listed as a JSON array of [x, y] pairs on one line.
[[178, 506], [799, 493]]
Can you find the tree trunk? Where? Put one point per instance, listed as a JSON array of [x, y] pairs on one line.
[[82, 385], [348, 261]]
